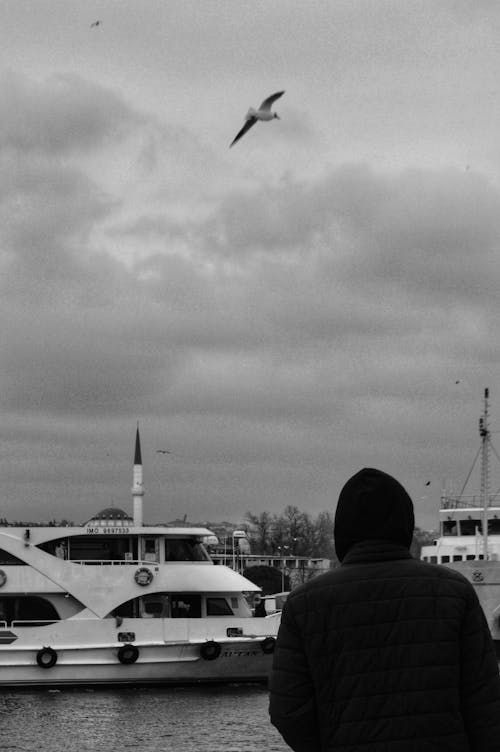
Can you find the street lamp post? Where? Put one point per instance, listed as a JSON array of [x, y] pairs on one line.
[[237, 535], [283, 559]]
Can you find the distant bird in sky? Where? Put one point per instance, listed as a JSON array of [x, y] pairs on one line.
[[428, 483], [163, 451], [263, 113], [457, 382], [95, 23]]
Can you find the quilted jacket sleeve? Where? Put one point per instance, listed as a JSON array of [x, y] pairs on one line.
[[292, 702], [480, 686]]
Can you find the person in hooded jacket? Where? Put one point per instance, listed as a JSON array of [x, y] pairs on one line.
[[384, 653]]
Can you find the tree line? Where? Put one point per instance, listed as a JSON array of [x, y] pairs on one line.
[[297, 533]]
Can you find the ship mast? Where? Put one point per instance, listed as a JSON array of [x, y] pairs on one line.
[[484, 433]]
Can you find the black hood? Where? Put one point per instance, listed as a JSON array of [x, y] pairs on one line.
[[373, 506]]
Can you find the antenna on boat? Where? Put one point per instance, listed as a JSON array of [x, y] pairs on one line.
[[137, 481], [484, 433]]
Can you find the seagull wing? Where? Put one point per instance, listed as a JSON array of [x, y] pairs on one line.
[[268, 103], [251, 121]]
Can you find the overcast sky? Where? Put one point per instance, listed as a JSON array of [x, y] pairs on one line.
[[278, 315]]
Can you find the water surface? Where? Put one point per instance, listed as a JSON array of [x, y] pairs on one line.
[[218, 718]]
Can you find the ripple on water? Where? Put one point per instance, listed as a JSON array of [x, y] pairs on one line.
[[228, 718]]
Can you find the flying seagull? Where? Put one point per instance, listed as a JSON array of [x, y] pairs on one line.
[[95, 23], [163, 451], [263, 113]]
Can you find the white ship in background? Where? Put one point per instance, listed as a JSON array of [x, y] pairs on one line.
[[117, 602], [469, 533]]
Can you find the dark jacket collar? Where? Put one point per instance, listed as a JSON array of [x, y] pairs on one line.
[[375, 550]]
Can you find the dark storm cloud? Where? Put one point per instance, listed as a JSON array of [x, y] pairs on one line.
[[46, 207], [78, 361], [48, 204], [429, 232], [60, 115]]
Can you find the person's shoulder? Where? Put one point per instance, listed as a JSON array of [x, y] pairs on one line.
[[347, 576], [315, 586], [440, 571], [442, 574]]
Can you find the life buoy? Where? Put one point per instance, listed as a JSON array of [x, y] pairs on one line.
[[46, 658], [128, 654], [210, 650], [268, 645], [143, 576], [3, 578]]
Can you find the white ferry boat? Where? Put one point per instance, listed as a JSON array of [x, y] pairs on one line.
[[469, 534], [118, 602]]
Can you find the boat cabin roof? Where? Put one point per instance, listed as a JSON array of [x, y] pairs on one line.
[[43, 534]]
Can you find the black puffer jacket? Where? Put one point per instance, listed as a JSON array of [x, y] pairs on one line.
[[385, 653]]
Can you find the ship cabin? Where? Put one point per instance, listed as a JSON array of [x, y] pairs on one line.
[[461, 531], [110, 538], [46, 573]]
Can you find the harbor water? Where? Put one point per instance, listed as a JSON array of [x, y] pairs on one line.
[[209, 718]]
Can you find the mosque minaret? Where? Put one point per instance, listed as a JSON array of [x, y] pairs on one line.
[[137, 482]]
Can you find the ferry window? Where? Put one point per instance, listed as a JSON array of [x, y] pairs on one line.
[[184, 549], [445, 559], [6, 558], [494, 527], [218, 607], [470, 557], [150, 552], [457, 558], [97, 547], [450, 527], [469, 527], [154, 605], [28, 608], [127, 610], [153, 608], [434, 559], [57, 547], [186, 605]]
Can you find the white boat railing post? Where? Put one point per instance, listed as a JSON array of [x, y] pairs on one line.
[[485, 446]]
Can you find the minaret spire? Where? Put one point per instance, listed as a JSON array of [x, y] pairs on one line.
[[137, 456], [137, 481]]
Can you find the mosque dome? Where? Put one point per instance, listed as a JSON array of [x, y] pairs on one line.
[[111, 516]]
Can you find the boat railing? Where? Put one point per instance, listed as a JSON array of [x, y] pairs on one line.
[[467, 502], [114, 562], [33, 622]]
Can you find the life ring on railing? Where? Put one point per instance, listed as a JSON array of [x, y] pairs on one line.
[[128, 654], [143, 576], [210, 650], [46, 658], [3, 578], [268, 645]]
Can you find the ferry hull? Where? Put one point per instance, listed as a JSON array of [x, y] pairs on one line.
[[78, 661], [247, 664], [484, 575]]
